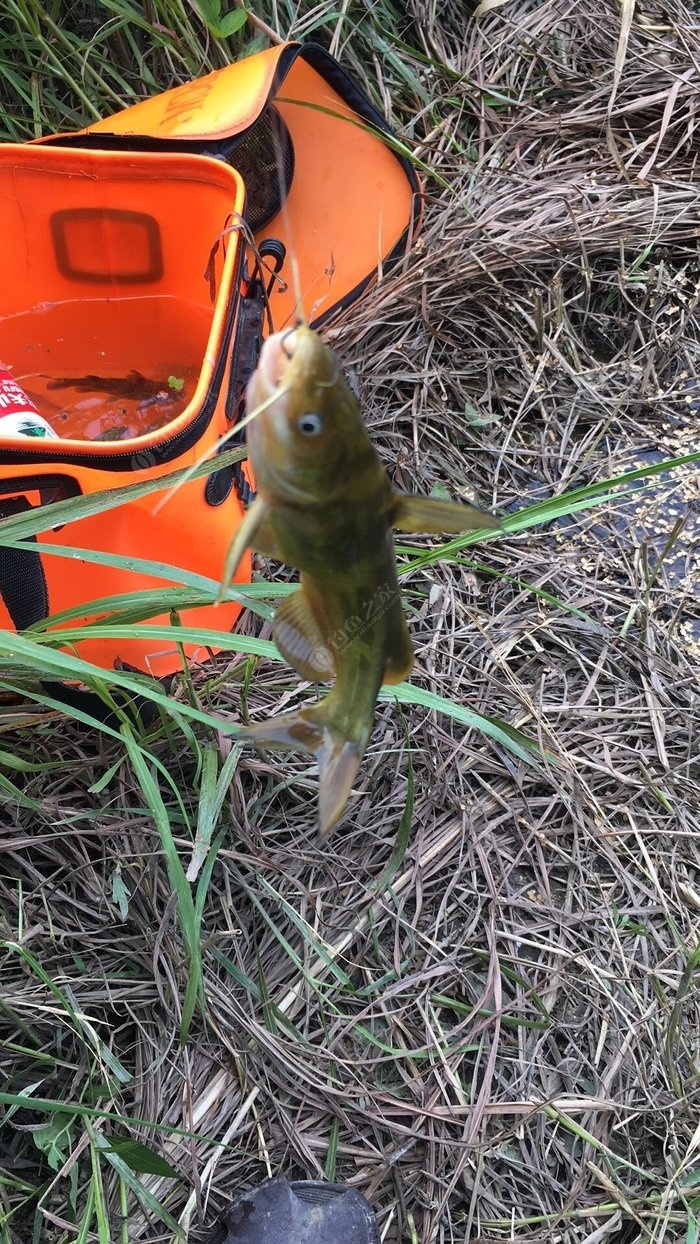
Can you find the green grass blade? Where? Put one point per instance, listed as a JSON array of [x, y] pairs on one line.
[[189, 927]]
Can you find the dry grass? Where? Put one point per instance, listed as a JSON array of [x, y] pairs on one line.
[[492, 1028]]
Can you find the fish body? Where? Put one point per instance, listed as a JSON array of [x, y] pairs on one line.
[[325, 504]]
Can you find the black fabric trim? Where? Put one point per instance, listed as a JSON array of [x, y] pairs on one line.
[[22, 579], [140, 707], [50, 487]]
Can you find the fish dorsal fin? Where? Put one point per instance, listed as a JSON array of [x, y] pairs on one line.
[[425, 514]]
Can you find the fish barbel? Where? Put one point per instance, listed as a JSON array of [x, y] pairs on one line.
[[325, 504]]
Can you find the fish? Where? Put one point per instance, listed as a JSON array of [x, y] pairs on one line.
[[133, 385], [325, 505]]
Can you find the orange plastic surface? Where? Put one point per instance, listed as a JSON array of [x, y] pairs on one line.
[[105, 267], [349, 204]]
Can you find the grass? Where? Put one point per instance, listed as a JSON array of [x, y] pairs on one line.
[[478, 1002]]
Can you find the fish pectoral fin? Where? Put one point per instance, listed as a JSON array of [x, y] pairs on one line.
[[425, 514], [338, 758], [243, 539], [396, 672], [298, 637]]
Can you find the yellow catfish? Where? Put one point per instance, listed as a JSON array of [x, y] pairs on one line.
[[325, 504]]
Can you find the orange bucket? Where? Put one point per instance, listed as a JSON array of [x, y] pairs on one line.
[[119, 308]]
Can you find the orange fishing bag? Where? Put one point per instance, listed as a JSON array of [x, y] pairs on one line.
[[136, 256], [323, 173]]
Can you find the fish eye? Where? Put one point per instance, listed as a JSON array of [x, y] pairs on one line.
[[310, 424]]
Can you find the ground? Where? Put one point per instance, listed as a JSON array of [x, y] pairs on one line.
[[478, 1001]]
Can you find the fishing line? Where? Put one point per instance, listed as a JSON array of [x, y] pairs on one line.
[[240, 225]]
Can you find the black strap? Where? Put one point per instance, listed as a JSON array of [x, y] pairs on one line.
[[22, 579]]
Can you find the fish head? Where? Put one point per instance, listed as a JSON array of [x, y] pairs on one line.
[[306, 432]]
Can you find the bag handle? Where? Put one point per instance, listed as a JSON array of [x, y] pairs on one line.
[[22, 579]]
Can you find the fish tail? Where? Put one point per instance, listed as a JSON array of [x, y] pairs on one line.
[[339, 757]]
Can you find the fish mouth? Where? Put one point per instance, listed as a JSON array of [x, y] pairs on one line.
[[290, 354], [275, 358]]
